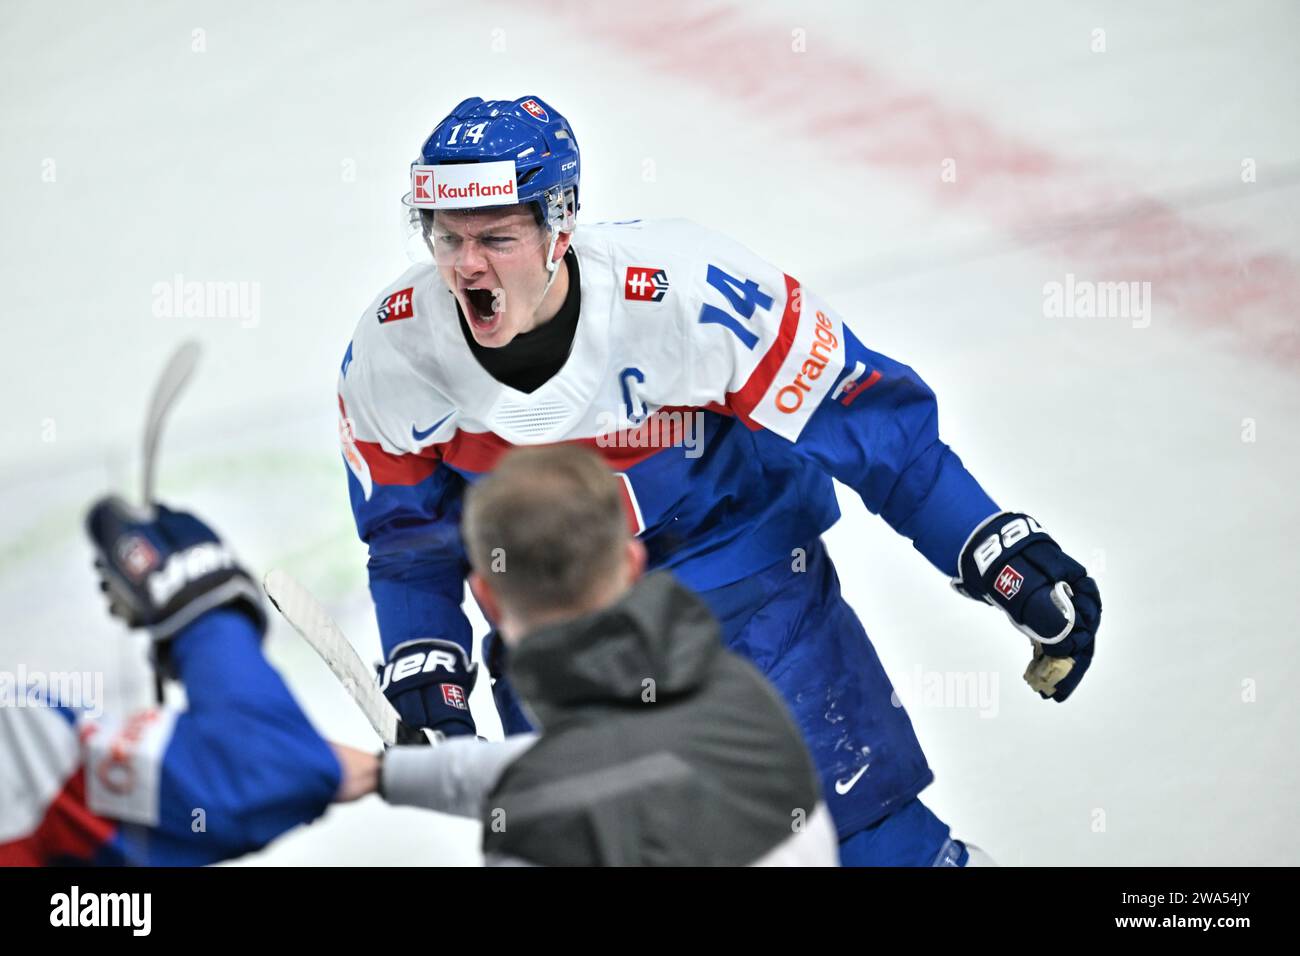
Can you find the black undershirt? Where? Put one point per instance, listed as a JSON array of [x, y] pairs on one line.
[[532, 358]]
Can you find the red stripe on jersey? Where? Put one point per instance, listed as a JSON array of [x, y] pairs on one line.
[[68, 831], [479, 452], [389, 469], [631, 509], [743, 402], [473, 451]]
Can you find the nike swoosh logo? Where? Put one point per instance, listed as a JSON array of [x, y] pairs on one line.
[[422, 435], [841, 787]]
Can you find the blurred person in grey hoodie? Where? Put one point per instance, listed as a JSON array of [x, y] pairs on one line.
[[657, 745]]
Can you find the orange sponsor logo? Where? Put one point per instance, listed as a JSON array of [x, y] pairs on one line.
[[790, 397]]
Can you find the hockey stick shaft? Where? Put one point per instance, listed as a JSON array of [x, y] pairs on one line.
[[175, 375], [306, 615]]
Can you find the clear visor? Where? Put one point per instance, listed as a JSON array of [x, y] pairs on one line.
[[466, 238]]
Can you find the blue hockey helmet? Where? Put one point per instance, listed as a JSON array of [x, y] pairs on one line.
[[522, 152]]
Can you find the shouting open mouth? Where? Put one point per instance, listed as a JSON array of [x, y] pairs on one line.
[[483, 313]]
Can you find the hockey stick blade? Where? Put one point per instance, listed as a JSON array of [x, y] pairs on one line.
[[296, 604], [175, 375]]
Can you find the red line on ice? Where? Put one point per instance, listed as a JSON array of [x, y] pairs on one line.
[[1015, 185]]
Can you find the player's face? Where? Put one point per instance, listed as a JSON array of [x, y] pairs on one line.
[[494, 262]]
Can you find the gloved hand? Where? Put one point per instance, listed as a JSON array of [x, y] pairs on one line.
[[428, 681], [162, 571], [1010, 562]]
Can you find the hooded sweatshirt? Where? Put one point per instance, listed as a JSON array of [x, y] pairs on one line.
[[658, 747]]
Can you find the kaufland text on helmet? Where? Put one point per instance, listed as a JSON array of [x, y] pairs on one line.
[[475, 190]]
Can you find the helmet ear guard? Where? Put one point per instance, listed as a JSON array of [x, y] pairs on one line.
[[561, 216], [561, 208]]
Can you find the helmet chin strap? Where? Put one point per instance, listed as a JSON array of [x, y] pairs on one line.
[[552, 265]]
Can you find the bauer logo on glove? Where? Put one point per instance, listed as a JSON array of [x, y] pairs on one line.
[[428, 681], [1013, 564]]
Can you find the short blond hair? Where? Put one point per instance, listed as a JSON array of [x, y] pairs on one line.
[[546, 527]]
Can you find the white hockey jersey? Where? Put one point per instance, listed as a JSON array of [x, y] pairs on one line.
[[726, 397], [724, 393]]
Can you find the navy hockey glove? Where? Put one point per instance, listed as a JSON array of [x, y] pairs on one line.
[[1013, 564], [428, 682], [161, 572]]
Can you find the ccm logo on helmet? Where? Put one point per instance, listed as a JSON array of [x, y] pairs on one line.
[[417, 663], [825, 342]]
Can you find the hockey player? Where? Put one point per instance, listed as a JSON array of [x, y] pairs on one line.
[[159, 787], [522, 329]]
